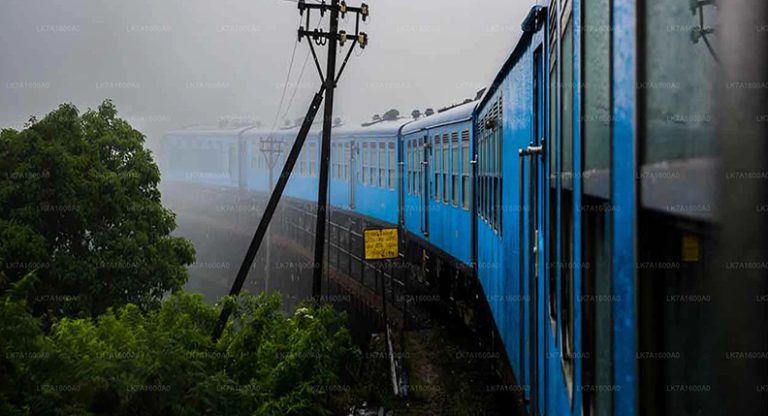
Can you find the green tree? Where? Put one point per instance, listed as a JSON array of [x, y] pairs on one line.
[[79, 206]]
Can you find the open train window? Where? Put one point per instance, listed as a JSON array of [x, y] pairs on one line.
[[465, 169], [455, 168]]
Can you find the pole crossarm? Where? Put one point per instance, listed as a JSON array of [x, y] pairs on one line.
[[341, 7]]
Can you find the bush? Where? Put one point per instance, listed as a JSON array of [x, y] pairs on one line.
[[129, 362]]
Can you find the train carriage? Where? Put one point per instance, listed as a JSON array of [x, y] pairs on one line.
[[369, 154], [437, 167]]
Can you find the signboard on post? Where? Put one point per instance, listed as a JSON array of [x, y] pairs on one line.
[[380, 243]]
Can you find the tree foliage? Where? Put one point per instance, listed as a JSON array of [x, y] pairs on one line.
[[79, 205], [129, 362]]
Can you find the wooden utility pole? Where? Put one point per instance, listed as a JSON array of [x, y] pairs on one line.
[[329, 82]]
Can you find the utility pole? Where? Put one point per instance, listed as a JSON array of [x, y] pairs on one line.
[[330, 80], [271, 149], [328, 84]]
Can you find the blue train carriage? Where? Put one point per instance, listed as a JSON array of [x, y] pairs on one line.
[[509, 197], [303, 183], [364, 173], [436, 185], [265, 148], [202, 156]]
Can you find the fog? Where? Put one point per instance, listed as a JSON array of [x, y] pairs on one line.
[[172, 63]]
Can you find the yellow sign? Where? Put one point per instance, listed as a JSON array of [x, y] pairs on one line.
[[690, 248], [380, 244]]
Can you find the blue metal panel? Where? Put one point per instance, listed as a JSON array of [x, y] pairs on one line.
[[623, 188]]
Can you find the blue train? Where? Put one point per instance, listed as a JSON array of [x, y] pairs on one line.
[[577, 190]]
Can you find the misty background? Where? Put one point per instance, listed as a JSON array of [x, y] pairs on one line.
[[173, 63]]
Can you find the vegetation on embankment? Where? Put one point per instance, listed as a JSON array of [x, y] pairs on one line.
[[162, 362]]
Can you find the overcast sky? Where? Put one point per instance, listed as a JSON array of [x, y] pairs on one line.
[[169, 63]]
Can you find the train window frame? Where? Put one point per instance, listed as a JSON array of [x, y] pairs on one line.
[[436, 167], [333, 161], [446, 166], [364, 165], [499, 170], [347, 160], [419, 167], [480, 194], [566, 202], [409, 167], [372, 164], [313, 159], [302, 162], [391, 159], [552, 185], [465, 171], [455, 168], [382, 160]]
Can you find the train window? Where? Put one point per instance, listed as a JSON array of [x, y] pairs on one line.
[[413, 164], [382, 164], [313, 159], [497, 175], [480, 195], [347, 160], [597, 79], [372, 164], [392, 160], [365, 164], [552, 167], [566, 200], [302, 161], [465, 166], [491, 170], [436, 168], [333, 161], [418, 166], [409, 167], [483, 176], [679, 67], [455, 168], [446, 168]]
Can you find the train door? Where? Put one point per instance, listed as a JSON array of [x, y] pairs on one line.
[[426, 154], [532, 184]]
